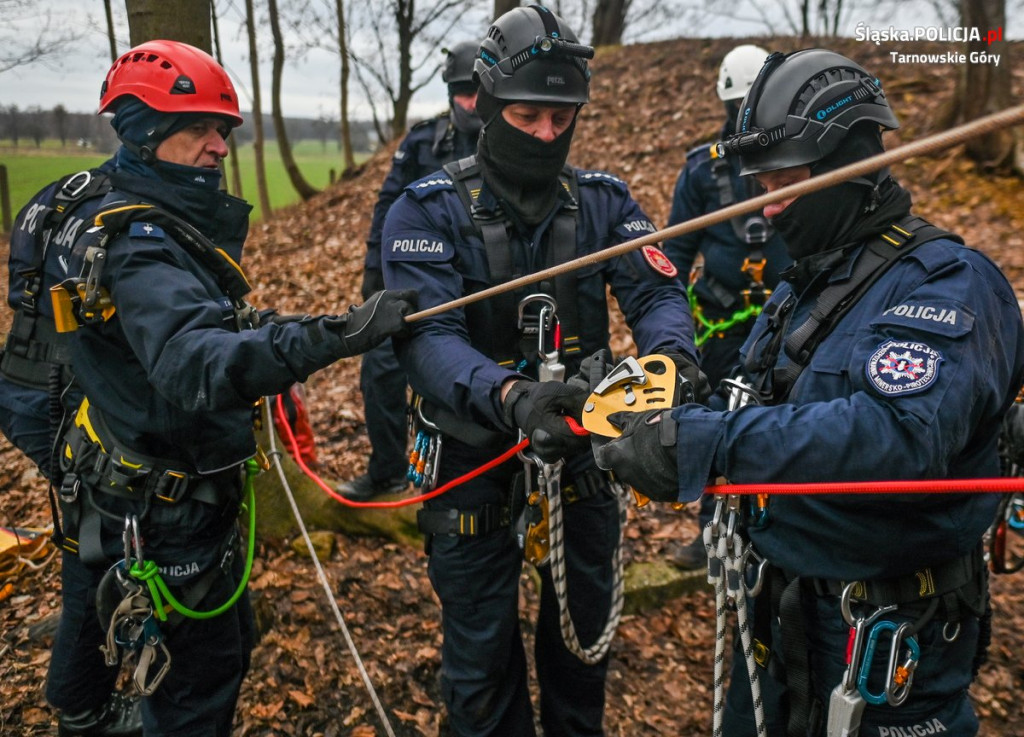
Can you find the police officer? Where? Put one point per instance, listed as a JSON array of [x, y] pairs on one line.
[[512, 210], [33, 356], [893, 377], [429, 145], [741, 258], [36, 386], [171, 361]]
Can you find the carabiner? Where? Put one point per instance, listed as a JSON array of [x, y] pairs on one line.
[[898, 677]]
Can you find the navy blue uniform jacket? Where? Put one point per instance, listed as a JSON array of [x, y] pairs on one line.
[[430, 243], [427, 147], [697, 194], [170, 372], [911, 384]]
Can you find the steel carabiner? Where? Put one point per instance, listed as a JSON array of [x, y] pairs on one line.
[[899, 676]]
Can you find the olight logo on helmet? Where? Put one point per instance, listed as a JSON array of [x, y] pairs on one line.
[[554, 79], [822, 114]]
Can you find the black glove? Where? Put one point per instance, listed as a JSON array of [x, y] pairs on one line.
[[692, 373], [592, 371], [1011, 436], [542, 410], [380, 317], [373, 282], [644, 456]]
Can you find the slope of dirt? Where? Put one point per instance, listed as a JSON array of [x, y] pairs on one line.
[[650, 105]]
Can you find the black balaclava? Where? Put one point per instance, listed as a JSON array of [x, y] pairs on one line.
[[463, 120], [521, 170], [844, 213]]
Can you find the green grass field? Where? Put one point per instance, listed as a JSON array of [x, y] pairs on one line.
[[30, 168]]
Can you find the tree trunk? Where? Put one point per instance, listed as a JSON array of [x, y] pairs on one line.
[[982, 88], [275, 518], [236, 177], [609, 22], [503, 6], [110, 31], [304, 188], [187, 21], [257, 114], [346, 131], [404, 10]]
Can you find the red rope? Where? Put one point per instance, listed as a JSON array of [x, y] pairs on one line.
[[294, 446], [930, 486]]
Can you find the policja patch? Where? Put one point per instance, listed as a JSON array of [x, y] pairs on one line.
[[658, 261], [903, 367]]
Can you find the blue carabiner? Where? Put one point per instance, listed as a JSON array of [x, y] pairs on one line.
[[890, 693]]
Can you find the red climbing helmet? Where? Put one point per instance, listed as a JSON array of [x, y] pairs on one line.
[[171, 77]]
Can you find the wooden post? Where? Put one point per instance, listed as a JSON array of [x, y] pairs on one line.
[[5, 201]]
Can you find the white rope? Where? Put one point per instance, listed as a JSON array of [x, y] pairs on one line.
[[593, 654], [275, 453], [726, 552]]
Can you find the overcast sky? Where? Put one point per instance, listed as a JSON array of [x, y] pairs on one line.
[[310, 86]]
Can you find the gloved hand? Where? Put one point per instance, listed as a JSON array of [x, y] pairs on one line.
[[692, 373], [1011, 436], [540, 410], [380, 317], [644, 456], [373, 282], [592, 371]]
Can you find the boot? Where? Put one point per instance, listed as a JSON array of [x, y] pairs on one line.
[[121, 716]]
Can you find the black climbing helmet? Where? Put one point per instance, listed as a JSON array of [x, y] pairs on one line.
[[801, 106], [531, 55]]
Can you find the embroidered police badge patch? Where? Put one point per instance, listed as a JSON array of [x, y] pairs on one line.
[[902, 367], [658, 261]]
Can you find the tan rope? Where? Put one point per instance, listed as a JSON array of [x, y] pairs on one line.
[[922, 147]]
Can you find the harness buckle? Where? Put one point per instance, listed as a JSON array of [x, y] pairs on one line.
[[170, 486], [69, 487]]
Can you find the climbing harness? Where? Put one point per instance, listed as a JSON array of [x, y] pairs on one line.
[[32, 345], [81, 300], [754, 230], [146, 601]]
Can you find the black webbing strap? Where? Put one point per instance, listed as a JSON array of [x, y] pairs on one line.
[[922, 584], [494, 229], [228, 274], [441, 133], [562, 244], [837, 299], [465, 522], [795, 653]]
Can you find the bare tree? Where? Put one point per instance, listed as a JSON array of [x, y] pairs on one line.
[[503, 6], [284, 147], [399, 56], [28, 36], [12, 120], [346, 128], [257, 113], [60, 123], [110, 30], [984, 87], [236, 176], [609, 22], [187, 21]]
